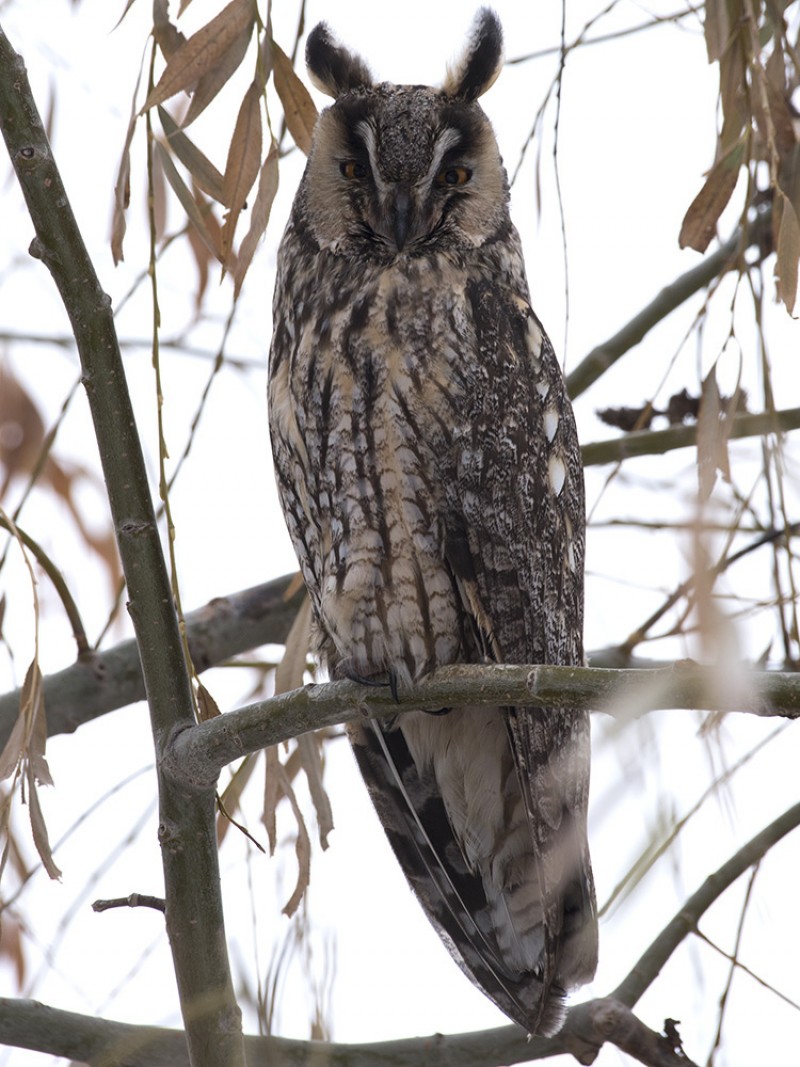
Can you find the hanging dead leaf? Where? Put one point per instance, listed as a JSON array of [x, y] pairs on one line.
[[302, 848], [311, 750], [291, 669], [168, 37], [122, 186], [39, 829], [207, 706], [298, 107], [713, 432], [259, 217], [787, 244], [159, 199], [188, 202], [202, 51], [232, 796], [700, 221], [21, 429], [242, 165], [11, 947], [212, 81], [200, 167], [200, 250], [717, 28]]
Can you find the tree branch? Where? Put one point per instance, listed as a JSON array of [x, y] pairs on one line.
[[657, 442], [186, 830], [102, 1043], [647, 968], [104, 680], [671, 296], [202, 751]]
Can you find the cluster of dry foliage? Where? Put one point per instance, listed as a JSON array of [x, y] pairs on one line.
[[755, 45], [201, 65]]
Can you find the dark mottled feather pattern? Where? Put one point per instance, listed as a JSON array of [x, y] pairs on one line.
[[429, 470]]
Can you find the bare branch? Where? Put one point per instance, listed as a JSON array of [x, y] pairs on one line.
[[186, 830], [649, 965], [102, 681], [725, 258], [135, 900], [657, 442], [201, 752]]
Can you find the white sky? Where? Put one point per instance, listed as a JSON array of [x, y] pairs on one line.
[[637, 123]]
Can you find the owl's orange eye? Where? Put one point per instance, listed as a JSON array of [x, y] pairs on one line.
[[453, 176], [352, 169]]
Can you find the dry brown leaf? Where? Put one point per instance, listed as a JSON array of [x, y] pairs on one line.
[[211, 82], [259, 218], [787, 244], [32, 707], [207, 707], [122, 186], [205, 174], [242, 165], [311, 756], [188, 202], [11, 947], [232, 796], [713, 432], [272, 795], [302, 848], [700, 221], [40, 836], [298, 107], [159, 199], [289, 672], [168, 37], [201, 252], [202, 51], [13, 749], [128, 6], [717, 27], [21, 429]]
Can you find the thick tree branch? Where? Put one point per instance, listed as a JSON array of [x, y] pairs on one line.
[[102, 681], [671, 296], [657, 442], [186, 830], [647, 968], [202, 751], [101, 1043]]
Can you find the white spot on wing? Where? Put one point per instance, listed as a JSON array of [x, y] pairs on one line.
[[557, 473], [550, 423]]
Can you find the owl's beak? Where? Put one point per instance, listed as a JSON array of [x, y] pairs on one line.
[[400, 213]]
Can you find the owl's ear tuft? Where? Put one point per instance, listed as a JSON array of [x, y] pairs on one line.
[[332, 68], [479, 65]]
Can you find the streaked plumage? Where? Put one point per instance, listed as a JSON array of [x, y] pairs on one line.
[[429, 470]]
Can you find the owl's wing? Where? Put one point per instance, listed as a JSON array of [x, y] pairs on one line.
[[514, 551], [515, 545], [415, 819]]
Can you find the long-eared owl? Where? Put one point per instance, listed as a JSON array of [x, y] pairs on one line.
[[429, 470]]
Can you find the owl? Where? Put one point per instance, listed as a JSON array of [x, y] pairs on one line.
[[428, 468]]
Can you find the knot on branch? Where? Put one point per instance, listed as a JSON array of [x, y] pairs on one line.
[[590, 1025]]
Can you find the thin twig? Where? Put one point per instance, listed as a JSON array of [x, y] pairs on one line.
[[135, 900]]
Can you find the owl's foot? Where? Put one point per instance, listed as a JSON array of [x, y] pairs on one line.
[[345, 669]]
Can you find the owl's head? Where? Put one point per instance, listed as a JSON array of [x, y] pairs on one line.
[[404, 168]]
